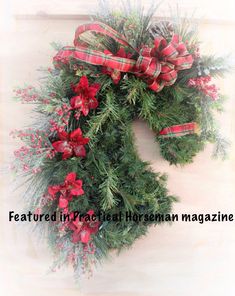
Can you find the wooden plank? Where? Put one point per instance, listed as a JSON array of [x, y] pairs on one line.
[[87, 17], [206, 9]]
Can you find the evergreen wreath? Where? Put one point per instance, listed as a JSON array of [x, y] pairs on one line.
[[80, 156]]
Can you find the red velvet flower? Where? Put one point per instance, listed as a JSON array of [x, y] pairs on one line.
[[67, 190], [82, 229], [85, 96], [71, 144]]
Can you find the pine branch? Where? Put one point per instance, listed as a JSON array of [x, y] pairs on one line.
[[108, 188], [129, 201], [108, 111], [135, 89], [214, 66], [221, 147]]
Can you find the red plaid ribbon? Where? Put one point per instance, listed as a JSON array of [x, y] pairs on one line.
[[157, 66], [179, 130]]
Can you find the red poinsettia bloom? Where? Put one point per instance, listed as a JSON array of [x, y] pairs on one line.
[[115, 74], [85, 96], [71, 187], [82, 229], [71, 144]]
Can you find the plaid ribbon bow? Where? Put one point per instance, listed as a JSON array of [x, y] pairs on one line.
[[157, 66]]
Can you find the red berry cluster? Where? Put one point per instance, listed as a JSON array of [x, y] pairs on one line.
[[37, 145], [203, 84], [27, 95]]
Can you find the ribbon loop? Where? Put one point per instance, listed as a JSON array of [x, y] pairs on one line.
[[103, 29]]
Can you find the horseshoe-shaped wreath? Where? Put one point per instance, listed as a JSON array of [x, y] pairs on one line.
[[80, 155]]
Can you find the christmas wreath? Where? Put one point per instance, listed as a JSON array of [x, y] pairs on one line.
[[79, 158]]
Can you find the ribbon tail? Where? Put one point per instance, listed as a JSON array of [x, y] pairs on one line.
[[94, 57], [179, 130]]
